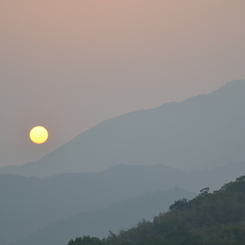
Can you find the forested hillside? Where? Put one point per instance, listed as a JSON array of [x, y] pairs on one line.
[[208, 219]]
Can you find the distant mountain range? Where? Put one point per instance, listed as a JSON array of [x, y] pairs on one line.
[[113, 218], [33, 207], [201, 132], [28, 203]]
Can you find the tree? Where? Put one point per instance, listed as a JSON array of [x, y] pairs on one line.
[[180, 204]]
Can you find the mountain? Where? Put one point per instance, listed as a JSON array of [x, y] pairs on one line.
[[30, 203], [112, 218], [208, 219], [201, 132], [213, 178]]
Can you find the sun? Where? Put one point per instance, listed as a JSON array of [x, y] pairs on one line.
[[39, 135]]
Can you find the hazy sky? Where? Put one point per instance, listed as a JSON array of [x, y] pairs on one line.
[[70, 64]]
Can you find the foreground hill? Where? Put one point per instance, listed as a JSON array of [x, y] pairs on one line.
[[208, 219], [112, 218], [203, 131]]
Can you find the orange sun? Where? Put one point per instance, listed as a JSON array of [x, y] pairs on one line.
[[39, 135]]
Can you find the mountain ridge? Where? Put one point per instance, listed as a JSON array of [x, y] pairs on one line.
[[117, 215], [202, 131], [30, 203]]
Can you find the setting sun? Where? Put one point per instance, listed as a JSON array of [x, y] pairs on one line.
[[39, 135]]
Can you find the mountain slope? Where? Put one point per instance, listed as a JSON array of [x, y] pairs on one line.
[[208, 219], [203, 131], [30, 203], [114, 217]]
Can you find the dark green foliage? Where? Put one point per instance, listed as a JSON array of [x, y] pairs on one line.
[[181, 237], [208, 219], [238, 185], [126, 242], [180, 204], [86, 240]]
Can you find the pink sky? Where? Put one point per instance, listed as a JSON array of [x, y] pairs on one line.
[[69, 65]]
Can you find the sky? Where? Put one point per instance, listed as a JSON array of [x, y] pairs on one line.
[[69, 65]]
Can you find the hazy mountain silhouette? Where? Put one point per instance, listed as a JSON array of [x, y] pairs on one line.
[[30, 203], [203, 131], [114, 218]]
